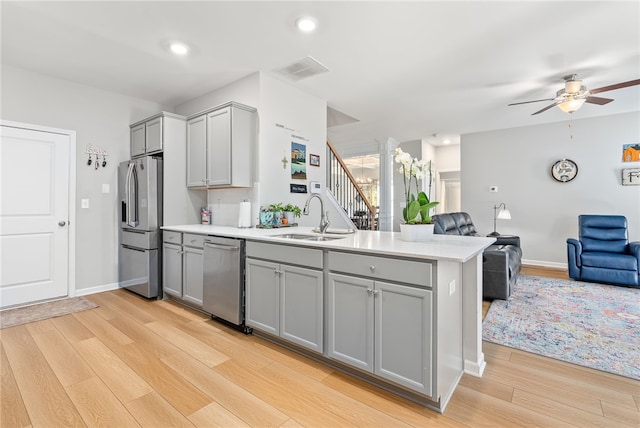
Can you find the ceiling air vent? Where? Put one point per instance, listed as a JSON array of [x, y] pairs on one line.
[[303, 68]]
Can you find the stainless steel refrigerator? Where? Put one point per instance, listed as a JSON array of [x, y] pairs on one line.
[[140, 214]]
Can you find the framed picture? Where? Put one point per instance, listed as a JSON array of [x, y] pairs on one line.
[[314, 160]]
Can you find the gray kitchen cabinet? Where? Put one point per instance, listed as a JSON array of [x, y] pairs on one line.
[[147, 136], [220, 147], [192, 268], [284, 299], [182, 267], [263, 296], [172, 263], [380, 326]]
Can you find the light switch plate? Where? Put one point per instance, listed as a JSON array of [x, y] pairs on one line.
[[106, 188], [631, 177], [84, 203]]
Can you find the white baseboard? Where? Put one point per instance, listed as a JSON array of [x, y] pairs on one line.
[[97, 289], [543, 263]]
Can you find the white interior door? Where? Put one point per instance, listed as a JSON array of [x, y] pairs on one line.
[[34, 215]]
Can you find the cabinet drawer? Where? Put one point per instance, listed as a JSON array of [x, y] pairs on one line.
[[397, 270], [307, 257], [173, 237], [193, 240]]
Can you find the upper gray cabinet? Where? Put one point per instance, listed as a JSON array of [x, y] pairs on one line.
[[147, 136], [220, 146]]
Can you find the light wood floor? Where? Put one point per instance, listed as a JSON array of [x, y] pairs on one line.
[[133, 362]]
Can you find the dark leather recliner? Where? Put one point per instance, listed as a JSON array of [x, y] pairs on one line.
[[603, 252], [501, 261]]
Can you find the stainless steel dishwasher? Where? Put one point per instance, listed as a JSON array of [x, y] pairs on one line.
[[223, 292]]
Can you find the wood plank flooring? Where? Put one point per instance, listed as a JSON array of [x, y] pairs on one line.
[[133, 362]]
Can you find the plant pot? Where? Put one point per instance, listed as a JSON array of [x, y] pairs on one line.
[[266, 218], [289, 216], [416, 232]]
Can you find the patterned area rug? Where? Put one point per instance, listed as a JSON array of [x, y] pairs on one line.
[[592, 325], [43, 311]]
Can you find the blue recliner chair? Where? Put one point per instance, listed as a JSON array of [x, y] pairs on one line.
[[603, 253]]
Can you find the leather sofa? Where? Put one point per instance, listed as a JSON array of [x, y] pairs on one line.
[[501, 261], [603, 252]]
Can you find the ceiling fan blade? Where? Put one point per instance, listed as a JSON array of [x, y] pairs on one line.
[[545, 109], [598, 100], [616, 86], [527, 102]]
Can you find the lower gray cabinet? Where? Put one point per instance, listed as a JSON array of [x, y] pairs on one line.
[[192, 274], [286, 301], [182, 266], [172, 269], [383, 328]]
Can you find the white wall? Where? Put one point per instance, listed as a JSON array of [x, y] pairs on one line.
[[447, 158], [298, 113], [100, 118], [545, 212]]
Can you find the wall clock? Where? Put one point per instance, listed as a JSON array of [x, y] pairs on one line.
[[564, 170]]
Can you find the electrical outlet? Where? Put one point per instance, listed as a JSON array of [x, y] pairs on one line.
[[493, 189], [106, 188], [452, 287], [84, 203]]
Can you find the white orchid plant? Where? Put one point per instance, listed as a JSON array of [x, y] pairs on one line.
[[417, 205]]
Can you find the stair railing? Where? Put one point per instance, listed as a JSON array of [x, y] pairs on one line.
[[347, 192]]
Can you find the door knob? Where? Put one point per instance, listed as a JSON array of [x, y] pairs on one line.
[[62, 223]]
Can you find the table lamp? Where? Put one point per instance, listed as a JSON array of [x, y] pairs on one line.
[[499, 212]]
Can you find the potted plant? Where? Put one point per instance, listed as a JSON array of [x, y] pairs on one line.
[[266, 216], [417, 205], [277, 209], [291, 212]]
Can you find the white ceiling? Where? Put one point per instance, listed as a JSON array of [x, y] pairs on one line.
[[406, 70]]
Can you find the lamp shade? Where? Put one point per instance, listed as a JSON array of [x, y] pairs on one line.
[[504, 214]]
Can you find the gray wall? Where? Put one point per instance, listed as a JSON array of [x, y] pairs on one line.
[[100, 118], [544, 212]]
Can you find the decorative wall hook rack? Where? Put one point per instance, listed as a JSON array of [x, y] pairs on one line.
[[98, 153]]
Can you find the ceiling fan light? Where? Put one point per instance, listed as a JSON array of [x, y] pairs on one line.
[[573, 86], [571, 104]]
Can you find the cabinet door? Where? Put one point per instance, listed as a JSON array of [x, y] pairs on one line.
[[219, 148], [350, 323], [301, 306], [193, 275], [263, 296], [153, 139], [403, 318], [197, 151], [138, 140], [172, 269]]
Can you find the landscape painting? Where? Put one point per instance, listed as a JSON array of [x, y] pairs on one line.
[[298, 161]]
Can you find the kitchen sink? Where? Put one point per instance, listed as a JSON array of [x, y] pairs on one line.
[[308, 237]]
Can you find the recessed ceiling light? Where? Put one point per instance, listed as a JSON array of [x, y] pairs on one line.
[[306, 24], [179, 48]]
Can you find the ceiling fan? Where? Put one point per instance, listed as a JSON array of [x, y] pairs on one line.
[[575, 94]]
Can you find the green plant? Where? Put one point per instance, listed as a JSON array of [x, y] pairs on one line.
[[275, 207], [296, 210], [416, 209]]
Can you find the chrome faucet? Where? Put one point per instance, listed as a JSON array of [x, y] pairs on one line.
[[324, 216]]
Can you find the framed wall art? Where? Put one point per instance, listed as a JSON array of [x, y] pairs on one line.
[[314, 160]]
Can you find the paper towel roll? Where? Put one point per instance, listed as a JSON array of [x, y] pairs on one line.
[[244, 216]]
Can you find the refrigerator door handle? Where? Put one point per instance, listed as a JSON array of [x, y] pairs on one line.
[[131, 196]]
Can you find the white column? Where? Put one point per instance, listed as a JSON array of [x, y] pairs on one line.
[[386, 150], [473, 356]]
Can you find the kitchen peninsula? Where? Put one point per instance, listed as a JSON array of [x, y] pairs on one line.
[[405, 316]]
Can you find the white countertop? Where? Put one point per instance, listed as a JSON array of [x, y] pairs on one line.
[[439, 247]]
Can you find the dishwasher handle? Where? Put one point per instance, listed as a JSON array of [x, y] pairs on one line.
[[221, 247]]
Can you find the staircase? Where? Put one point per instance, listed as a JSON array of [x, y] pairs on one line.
[[348, 194]]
